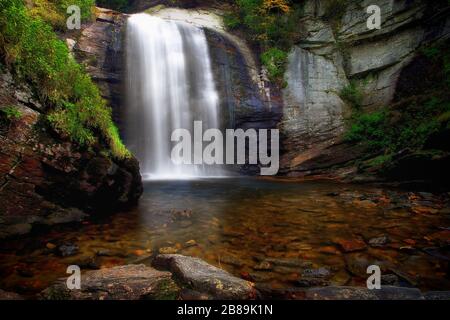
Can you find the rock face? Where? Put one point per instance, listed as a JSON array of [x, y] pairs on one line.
[[330, 54], [204, 278], [47, 181], [131, 282], [100, 47]]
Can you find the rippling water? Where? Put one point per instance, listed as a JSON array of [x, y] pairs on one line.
[[238, 223]]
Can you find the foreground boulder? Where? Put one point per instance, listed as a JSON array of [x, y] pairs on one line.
[[205, 278], [130, 282], [5, 295]]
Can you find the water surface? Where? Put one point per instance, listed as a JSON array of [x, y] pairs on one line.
[[241, 224]]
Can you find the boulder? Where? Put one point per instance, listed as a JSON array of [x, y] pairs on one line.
[[205, 278], [130, 282]]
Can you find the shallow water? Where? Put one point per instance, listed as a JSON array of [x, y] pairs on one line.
[[238, 223]]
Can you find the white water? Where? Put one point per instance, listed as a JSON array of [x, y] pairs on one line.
[[169, 86]]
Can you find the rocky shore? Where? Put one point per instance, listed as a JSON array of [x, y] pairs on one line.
[[177, 277]]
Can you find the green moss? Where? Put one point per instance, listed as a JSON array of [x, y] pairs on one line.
[[11, 112], [76, 110], [352, 94], [55, 12], [270, 25]]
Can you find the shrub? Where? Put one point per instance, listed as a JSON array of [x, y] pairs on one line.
[[55, 12], [275, 61], [31, 48], [352, 95]]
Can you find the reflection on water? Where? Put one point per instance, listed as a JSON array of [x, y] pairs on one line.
[[276, 233]]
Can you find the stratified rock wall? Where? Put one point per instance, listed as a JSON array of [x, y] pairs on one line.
[[336, 51]]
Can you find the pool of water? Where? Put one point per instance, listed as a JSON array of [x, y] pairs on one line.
[[276, 233]]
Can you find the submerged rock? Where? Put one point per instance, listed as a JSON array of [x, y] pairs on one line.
[[130, 282], [205, 278]]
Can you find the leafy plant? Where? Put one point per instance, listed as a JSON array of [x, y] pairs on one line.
[[275, 61], [11, 112], [29, 46]]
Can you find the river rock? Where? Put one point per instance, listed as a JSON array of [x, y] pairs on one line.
[[205, 278], [5, 295], [437, 295], [130, 282], [359, 293]]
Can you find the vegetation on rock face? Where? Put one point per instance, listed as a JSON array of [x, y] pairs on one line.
[[29, 46], [55, 12], [272, 25], [113, 4], [419, 114]]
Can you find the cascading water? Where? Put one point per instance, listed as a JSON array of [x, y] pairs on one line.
[[170, 85]]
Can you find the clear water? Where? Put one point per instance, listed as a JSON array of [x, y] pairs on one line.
[[237, 223]]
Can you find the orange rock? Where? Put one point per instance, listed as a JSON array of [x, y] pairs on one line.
[[424, 210], [351, 245], [441, 236], [329, 250], [139, 252], [410, 241]]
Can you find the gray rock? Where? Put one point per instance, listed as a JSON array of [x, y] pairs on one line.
[[131, 282], [437, 295], [67, 250], [359, 293], [205, 278], [379, 241], [5, 295]]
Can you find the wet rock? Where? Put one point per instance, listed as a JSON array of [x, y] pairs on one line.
[[130, 282], [5, 295], [351, 245], [437, 295], [187, 294], [379, 242], [168, 250], [231, 260], [205, 278], [309, 282], [390, 280], [316, 273], [357, 264], [359, 293], [287, 262], [259, 277], [67, 250], [263, 266], [190, 243]]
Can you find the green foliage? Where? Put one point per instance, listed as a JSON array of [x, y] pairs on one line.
[[55, 12], [352, 95], [30, 47], [368, 128], [11, 112], [272, 25], [275, 61], [390, 131], [114, 4]]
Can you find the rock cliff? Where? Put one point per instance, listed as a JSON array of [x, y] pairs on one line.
[[337, 48]]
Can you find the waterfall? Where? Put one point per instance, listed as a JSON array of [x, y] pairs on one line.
[[170, 85]]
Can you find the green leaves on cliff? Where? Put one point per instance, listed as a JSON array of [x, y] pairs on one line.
[[55, 12], [275, 61], [270, 24], [29, 46]]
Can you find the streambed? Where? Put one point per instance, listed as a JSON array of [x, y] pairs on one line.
[[279, 234]]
